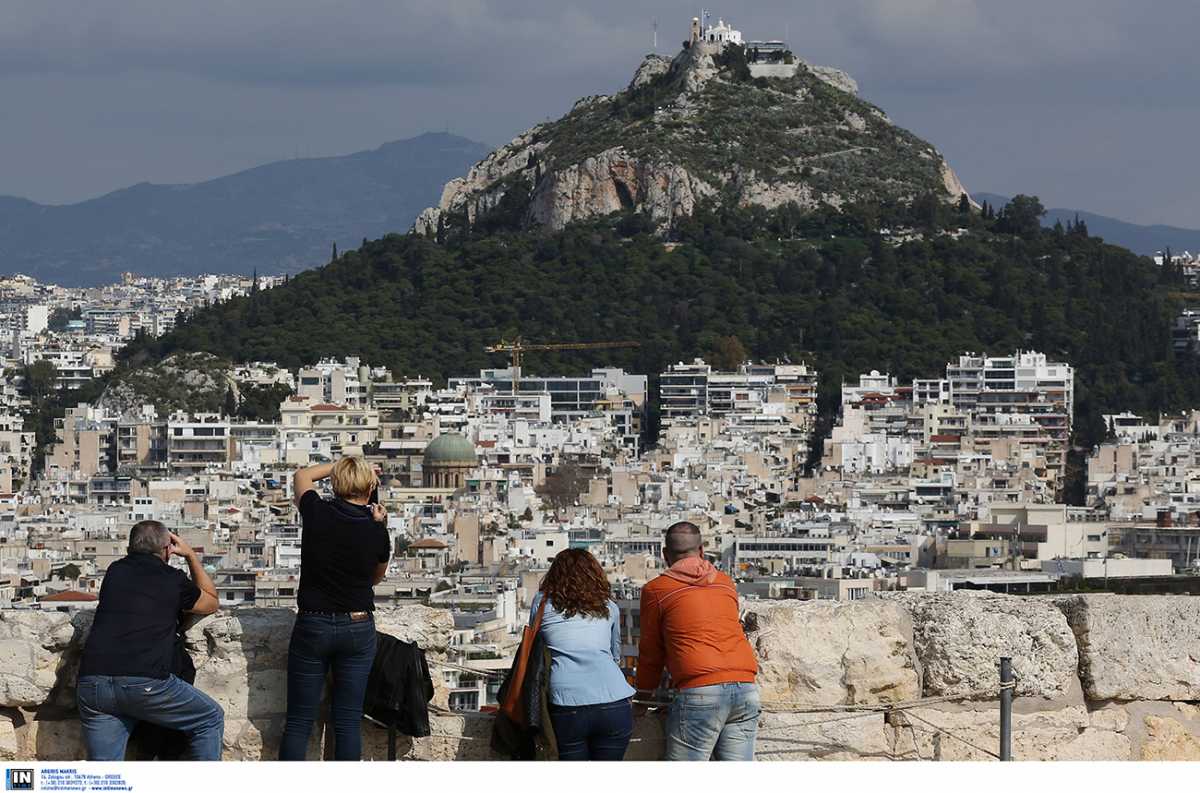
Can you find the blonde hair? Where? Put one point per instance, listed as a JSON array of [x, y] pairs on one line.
[[352, 477]]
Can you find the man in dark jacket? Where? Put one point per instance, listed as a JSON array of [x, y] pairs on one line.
[[125, 674]]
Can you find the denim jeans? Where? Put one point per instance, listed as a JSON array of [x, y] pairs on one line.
[[592, 732], [717, 722], [321, 643], [111, 706]]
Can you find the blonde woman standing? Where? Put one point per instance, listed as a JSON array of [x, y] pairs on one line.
[[344, 552]]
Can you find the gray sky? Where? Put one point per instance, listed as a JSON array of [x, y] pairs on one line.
[[1088, 103]]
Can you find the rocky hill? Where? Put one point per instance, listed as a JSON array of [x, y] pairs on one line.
[[197, 382], [702, 125], [279, 217]]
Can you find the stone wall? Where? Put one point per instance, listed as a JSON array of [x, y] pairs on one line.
[[1100, 677]]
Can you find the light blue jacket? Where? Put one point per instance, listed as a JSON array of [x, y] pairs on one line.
[[584, 653]]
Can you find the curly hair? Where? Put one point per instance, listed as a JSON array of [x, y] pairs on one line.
[[576, 584]]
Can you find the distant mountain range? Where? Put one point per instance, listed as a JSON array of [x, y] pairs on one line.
[[280, 217], [1146, 240]]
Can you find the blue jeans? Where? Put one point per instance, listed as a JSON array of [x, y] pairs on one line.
[[717, 722], [111, 706], [592, 732], [320, 643]]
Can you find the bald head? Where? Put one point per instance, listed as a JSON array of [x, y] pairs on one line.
[[681, 541]]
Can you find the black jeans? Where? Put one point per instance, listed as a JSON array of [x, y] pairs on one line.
[[592, 732], [320, 642]]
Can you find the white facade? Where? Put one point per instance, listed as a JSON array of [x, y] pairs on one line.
[[722, 33]]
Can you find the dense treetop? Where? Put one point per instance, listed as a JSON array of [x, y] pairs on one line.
[[825, 287]]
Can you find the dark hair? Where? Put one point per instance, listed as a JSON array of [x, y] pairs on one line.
[[148, 536], [576, 584], [682, 538]]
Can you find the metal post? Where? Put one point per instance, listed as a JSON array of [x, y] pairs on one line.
[[1006, 698]]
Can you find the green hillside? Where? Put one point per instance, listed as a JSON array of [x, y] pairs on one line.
[[773, 283]]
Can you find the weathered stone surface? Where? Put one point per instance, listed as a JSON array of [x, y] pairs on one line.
[[1187, 710], [829, 653], [10, 747], [31, 644], [1168, 739], [959, 639], [824, 735], [463, 736], [241, 660], [1136, 648], [835, 77], [818, 655], [52, 739], [1113, 718], [430, 628], [652, 66], [972, 733], [612, 181], [954, 185]]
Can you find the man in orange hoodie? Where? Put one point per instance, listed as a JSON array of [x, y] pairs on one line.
[[689, 621]]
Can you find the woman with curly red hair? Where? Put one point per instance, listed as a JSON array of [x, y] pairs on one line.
[[590, 700]]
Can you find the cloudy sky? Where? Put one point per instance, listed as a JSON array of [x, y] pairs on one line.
[[1088, 103]]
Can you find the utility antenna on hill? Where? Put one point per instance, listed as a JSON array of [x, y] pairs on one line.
[[654, 24]]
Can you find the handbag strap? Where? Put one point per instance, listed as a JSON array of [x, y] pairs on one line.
[[537, 621]]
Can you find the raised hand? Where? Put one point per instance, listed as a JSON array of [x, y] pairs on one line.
[[179, 547]]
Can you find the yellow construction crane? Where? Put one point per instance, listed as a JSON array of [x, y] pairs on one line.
[[516, 348]]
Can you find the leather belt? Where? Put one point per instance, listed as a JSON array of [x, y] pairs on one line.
[[355, 616]]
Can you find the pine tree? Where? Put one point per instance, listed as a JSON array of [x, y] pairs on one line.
[[964, 204], [230, 407], [333, 257]]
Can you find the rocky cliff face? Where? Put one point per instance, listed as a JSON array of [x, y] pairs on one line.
[[693, 128], [1099, 677]]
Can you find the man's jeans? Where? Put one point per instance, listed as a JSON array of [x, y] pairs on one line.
[[111, 706], [320, 642], [718, 722]]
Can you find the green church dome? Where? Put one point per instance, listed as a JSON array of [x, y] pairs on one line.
[[450, 448]]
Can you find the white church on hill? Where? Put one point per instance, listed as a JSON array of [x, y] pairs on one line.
[[720, 33]]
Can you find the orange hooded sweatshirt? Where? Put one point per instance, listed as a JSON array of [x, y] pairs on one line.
[[689, 622]]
